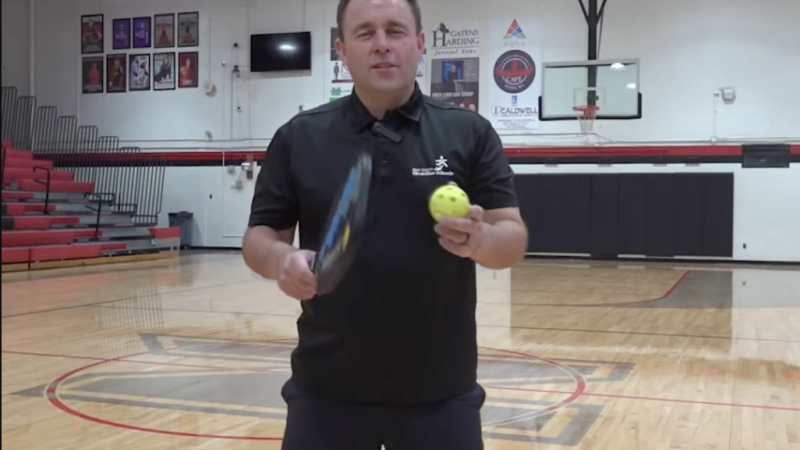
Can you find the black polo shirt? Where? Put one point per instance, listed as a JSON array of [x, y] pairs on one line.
[[400, 328]]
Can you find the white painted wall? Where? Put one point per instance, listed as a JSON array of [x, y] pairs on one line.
[[244, 110], [16, 44], [220, 212], [688, 50]]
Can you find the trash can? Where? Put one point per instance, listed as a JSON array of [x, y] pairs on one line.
[[183, 220]]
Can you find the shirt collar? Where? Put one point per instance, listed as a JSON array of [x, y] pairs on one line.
[[411, 110]]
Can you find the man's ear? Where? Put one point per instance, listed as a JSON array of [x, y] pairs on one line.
[[341, 51]]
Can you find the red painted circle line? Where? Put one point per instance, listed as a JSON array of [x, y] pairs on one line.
[[577, 392], [51, 393]]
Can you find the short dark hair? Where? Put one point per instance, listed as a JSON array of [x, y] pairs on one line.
[[340, 10]]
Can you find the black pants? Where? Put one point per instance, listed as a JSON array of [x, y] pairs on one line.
[[317, 424]]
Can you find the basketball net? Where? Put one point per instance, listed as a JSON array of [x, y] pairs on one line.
[[586, 115]]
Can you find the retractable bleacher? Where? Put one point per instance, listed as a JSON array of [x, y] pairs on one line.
[[71, 197]]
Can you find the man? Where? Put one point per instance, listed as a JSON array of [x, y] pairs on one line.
[[390, 357]]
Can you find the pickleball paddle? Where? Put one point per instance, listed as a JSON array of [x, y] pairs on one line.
[[346, 223]]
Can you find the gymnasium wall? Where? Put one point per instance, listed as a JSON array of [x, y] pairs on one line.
[[16, 44], [687, 51], [766, 216]]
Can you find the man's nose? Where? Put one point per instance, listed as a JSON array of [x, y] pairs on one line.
[[381, 42]]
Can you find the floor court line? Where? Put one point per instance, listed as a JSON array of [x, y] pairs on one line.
[[122, 299], [655, 399], [514, 327], [183, 261], [127, 359], [53, 398], [622, 305], [642, 333]]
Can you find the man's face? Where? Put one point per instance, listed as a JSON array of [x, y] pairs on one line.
[[381, 46]]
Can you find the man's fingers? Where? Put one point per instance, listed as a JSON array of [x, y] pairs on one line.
[[297, 280], [451, 234], [300, 295], [475, 213], [299, 271], [299, 284], [456, 249], [298, 290], [305, 277], [457, 224]]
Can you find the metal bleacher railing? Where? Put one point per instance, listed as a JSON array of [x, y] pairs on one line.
[[125, 179]]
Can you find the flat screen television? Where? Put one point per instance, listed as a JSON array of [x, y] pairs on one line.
[[280, 52]]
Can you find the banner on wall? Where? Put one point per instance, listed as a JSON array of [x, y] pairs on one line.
[[455, 63], [337, 77], [338, 81], [516, 59]]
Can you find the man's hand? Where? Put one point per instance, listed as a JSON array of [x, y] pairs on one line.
[[295, 277], [461, 236]]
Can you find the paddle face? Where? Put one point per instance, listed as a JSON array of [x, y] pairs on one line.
[[345, 226]]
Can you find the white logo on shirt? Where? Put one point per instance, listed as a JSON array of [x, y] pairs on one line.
[[437, 170]]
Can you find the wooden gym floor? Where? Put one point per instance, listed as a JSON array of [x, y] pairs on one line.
[[191, 353]]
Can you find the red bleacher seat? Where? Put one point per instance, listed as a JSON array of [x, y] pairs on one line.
[[22, 208], [15, 255], [165, 233], [11, 195], [47, 237], [57, 186], [24, 163], [42, 222], [21, 173], [112, 246], [58, 252], [21, 154]]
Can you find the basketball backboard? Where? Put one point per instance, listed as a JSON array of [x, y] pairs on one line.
[[566, 85]]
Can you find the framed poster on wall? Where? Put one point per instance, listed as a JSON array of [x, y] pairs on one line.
[[92, 75], [92, 34], [142, 32], [188, 29], [164, 31], [120, 34], [187, 73], [117, 72], [163, 71]]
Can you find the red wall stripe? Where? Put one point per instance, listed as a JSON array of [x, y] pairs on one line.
[[512, 152], [641, 151]]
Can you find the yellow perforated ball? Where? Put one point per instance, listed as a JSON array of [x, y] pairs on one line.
[[448, 200]]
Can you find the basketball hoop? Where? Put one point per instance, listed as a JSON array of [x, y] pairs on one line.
[[586, 115]]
